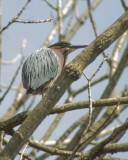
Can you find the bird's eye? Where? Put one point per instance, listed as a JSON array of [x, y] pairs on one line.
[[63, 45], [66, 45]]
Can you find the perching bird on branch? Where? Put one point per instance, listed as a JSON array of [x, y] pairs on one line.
[[44, 65]]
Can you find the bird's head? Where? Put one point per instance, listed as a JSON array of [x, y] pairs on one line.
[[65, 47]]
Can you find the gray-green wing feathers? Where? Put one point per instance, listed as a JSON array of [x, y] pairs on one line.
[[39, 68]]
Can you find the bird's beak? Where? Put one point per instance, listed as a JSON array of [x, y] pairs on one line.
[[77, 46]]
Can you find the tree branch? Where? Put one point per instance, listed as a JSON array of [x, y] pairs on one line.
[[81, 105], [16, 17], [99, 148], [33, 21]]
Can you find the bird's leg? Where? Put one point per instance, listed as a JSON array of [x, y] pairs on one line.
[[42, 92]]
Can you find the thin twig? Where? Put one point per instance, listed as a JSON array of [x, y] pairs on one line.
[[117, 134], [67, 28], [89, 117], [12, 81], [14, 60], [98, 69], [15, 75], [90, 105], [50, 4], [6, 86], [80, 90], [90, 108], [81, 21], [92, 19], [33, 21], [66, 10], [16, 17], [60, 19], [18, 56], [84, 140], [25, 147]]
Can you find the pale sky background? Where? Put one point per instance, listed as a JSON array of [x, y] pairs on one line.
[[106, 13]]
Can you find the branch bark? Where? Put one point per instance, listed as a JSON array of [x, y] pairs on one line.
[[81, 105]]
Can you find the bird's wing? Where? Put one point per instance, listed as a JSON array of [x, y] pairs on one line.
[[39, 68]]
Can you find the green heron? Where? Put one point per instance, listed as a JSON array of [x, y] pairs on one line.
[[44, 65]]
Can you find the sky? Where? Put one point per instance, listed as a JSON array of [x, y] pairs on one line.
[[35, 34]]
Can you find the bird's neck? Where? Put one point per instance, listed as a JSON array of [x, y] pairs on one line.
[[61, 57]]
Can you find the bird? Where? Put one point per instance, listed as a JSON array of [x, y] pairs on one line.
[[44, 65]]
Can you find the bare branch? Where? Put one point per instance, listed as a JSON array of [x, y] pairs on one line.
[[81, 105], [116, 51], [124, 5], [14, 60], [93, 153], [53, 151], [76, 92], [50, 4], [22, 154], [16, 17], [33, 21], [12, 81], [6, 86], [16, 73], [60, 19], [92, 19], [65, 11], [100, 66]]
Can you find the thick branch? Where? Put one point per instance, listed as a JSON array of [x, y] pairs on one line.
[[13, 122], [98, 103], [109, 148], [101, 43], [19, 118]]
